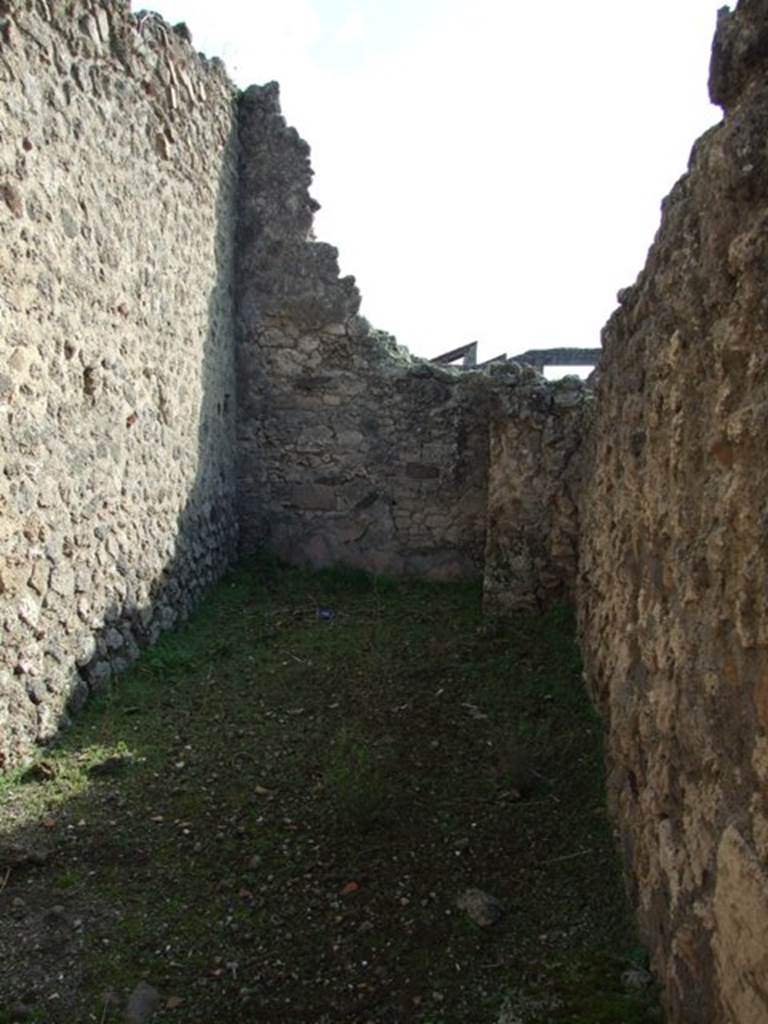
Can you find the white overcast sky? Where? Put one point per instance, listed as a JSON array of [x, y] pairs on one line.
[[489, 169]]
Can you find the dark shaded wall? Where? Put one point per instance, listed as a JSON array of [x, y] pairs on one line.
[[537, 432]]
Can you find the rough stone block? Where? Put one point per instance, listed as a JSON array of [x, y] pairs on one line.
[[314, 497]]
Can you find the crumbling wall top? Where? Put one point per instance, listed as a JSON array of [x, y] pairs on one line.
[[739, 52]]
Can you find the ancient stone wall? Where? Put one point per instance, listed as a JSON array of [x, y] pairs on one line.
[[675, 561], [362, 455], [156, 227], [537, 430], [382, 469], [130, 176], [350, 450], [118, 159]]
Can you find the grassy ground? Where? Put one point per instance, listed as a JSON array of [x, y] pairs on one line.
[[271, 818]]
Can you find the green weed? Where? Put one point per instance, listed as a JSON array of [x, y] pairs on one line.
[[356, 781]]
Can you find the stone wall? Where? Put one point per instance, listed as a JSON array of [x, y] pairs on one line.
[[350, 450], [156, 231], [118, 161], [675, 561], [156, 228], [353, 452], [537, 431]]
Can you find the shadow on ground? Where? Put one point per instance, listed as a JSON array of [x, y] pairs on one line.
[[272, 816]]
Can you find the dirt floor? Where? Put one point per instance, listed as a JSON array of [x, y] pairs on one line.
[[328, 799]]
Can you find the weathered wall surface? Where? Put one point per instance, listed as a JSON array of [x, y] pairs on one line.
[[363, 455], [353, 452], [675, 561], [537, 431], [117, 205], [130, 177], [383, 468]]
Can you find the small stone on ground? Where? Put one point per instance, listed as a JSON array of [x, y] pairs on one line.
[[481, 908], [142, 1004]]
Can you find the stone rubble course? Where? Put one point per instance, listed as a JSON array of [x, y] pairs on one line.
[[674, 559]]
